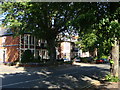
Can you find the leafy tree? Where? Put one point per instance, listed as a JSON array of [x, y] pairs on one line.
[[104, 19], [108, 28], [47, 20], [88, 43], [43, 20]]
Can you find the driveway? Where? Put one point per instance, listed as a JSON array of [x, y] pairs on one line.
[[65, 76]]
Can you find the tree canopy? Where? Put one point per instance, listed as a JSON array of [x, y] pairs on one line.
[[97, 23], [47, 20]]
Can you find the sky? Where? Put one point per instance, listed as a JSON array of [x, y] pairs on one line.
[[2, 16]]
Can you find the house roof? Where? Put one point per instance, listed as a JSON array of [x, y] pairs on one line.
[[5, 32], [8, 32]]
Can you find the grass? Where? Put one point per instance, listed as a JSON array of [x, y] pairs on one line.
[[111, 78]]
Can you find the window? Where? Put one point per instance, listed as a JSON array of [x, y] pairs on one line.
[[31, 40], [28, 40], [39, 42], [25, 39]]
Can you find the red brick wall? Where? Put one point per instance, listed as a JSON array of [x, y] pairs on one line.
[[12, 53]]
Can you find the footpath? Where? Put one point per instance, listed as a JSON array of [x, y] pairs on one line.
[[4, 69], [96, 85]]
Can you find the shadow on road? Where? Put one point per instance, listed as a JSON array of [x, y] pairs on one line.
[[62, 77]]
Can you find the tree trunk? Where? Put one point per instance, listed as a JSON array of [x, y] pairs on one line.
[[115, 57], [51, 49], [94, 52]]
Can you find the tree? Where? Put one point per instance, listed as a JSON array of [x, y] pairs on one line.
[[43, 20], [104, 21], [88, 43], [47, 20], [109, 27]]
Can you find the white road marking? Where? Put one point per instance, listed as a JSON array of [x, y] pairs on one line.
[[20, 82]]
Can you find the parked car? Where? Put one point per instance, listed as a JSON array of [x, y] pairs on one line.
[[77, 59], [65, 60], [99, 61], [102, 60], [105, 60]]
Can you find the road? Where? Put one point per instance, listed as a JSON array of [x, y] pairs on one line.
[[66, 77]]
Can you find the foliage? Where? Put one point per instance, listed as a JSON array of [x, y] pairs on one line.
[[45, 20], [95, 58], [108, 27], [109, 34], [105, 27], [86, 59], [88, 41], [111, 78], [104, 56], [27, 56], [97, 23]]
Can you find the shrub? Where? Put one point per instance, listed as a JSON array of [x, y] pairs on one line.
[[36, 61], [86, 59], [95, 58], [104, 56], [27, 56], [111, 78]]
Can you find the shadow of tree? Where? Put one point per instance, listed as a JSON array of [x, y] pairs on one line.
[[60, 77]]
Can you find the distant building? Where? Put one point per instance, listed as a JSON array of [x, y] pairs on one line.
[[67, 48]]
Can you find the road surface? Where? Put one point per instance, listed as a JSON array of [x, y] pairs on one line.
[[66, 77]]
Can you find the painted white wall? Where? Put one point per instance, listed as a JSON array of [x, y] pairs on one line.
[[85, 54], [2, 53], [65, 49], [3, 40]]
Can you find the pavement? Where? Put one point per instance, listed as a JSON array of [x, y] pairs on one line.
[[97, 85], [65, 71], [4, 69]]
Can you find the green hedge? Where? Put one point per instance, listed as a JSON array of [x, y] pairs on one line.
[[27, 56]]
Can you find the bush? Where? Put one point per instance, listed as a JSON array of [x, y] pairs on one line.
[[104, 56], [27, 56], [36, 61], [86, 60], [111, 78], [95, 58]]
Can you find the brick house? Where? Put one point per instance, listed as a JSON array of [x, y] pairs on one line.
[[11, 47]]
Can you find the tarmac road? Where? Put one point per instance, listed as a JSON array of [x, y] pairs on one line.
[[65, 76]]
